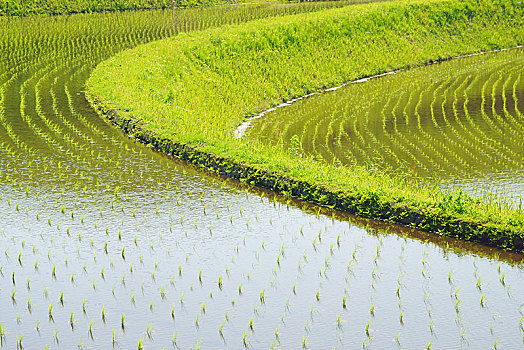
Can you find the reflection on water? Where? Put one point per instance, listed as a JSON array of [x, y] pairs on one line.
[[106, 243]]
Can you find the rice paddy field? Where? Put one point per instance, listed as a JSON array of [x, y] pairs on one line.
[[187, 96], [56, 7], [106, 243], [458, 122]]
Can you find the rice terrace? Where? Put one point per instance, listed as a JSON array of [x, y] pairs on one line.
[[261, 175]]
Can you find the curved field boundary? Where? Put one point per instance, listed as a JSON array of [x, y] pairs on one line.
[[186, 95]]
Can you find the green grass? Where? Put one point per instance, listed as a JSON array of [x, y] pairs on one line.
[[186, 95]]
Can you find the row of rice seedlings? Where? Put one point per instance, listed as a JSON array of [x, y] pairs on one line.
[[449, 138], [506, 153], [434, 145], [508, 122], [452, 99], [493, 119], [460, 132], [472, 123]]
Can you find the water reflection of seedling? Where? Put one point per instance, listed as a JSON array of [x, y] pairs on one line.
[[339, 321], [462, 334]]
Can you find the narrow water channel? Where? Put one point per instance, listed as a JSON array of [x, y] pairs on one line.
[[105, 243]]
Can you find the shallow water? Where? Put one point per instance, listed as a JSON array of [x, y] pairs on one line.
[[459, 122], [98, 228]]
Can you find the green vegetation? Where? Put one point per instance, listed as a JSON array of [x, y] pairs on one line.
[[56, 7], [186, 95]]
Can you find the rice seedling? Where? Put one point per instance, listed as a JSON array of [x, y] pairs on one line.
[[483, 301], [113, 337], [245, 340], [367, 328], [50, 312]]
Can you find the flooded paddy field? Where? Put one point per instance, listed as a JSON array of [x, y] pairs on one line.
[[459, 122], [106, 243]]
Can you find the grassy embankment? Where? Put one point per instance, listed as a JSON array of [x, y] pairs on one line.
[[56, 7], [186, 95]]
